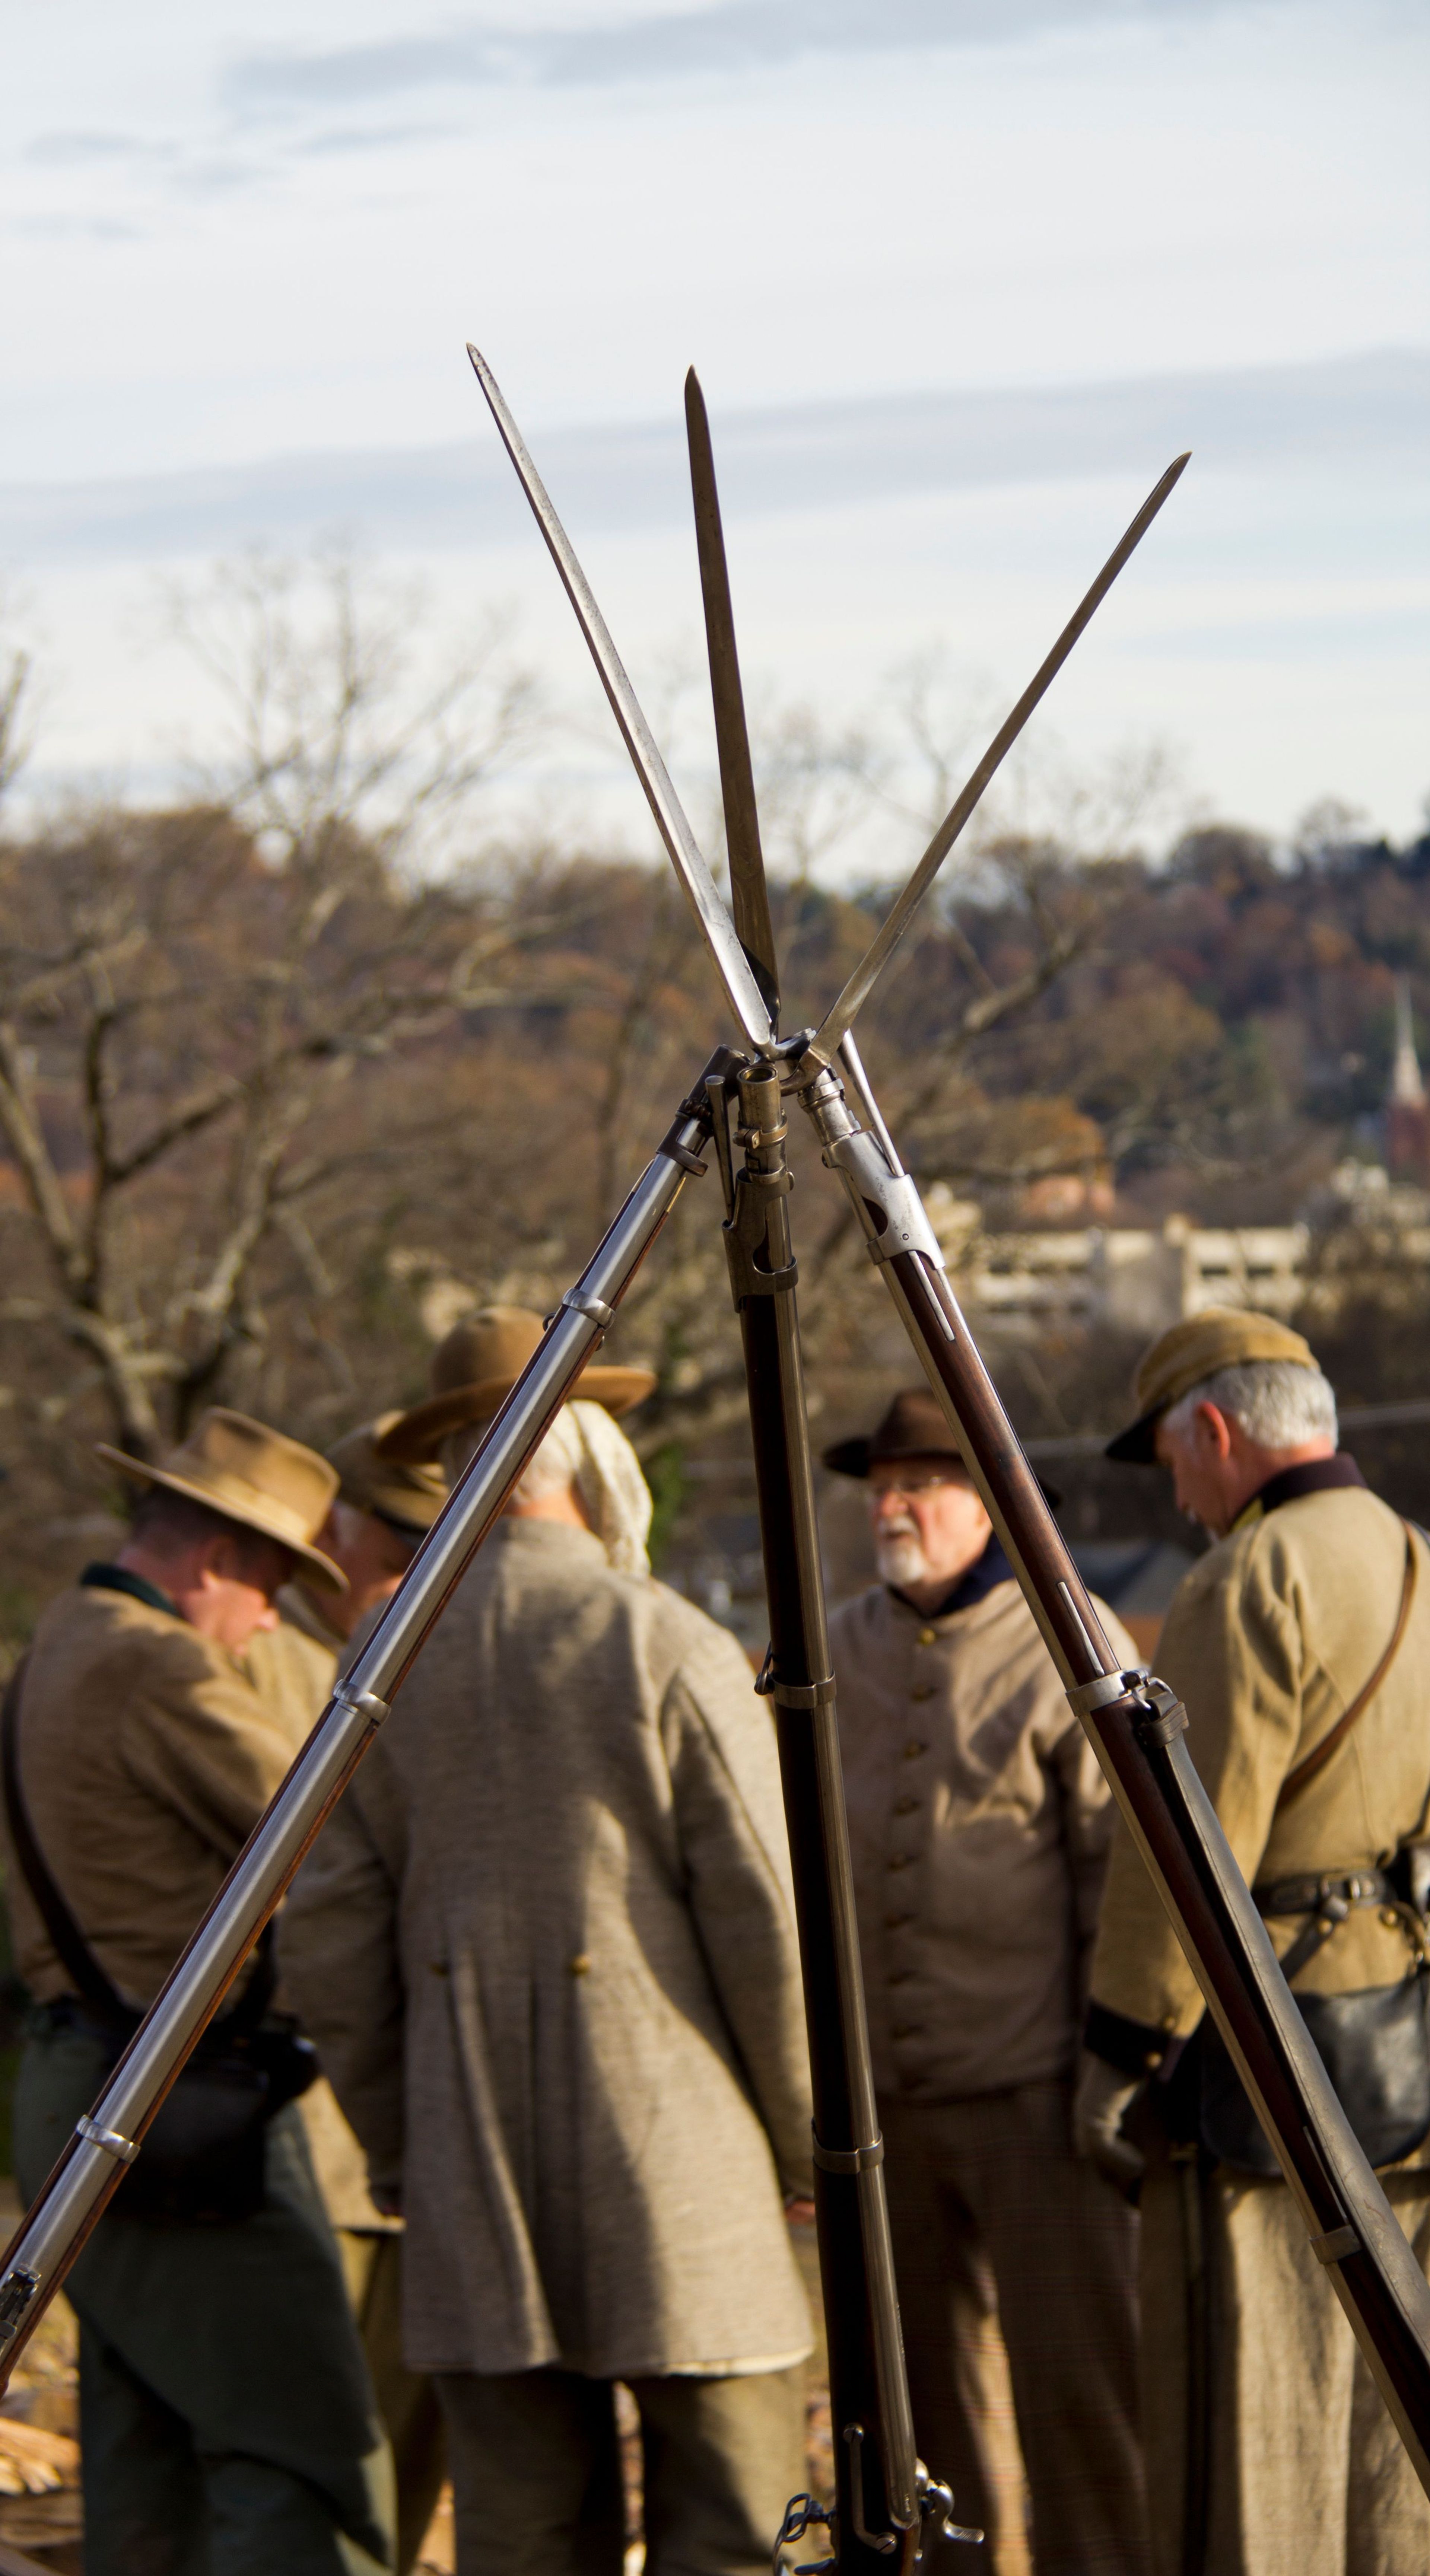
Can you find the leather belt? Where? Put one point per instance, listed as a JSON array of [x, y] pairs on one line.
[[1328, 1897], [1311, 1893]]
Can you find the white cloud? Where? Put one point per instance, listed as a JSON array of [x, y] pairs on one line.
[[737, 35], [885, 248]]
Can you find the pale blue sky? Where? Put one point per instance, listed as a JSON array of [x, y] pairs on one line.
[[958, 275]]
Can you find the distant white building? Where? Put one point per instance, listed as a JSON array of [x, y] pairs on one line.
[[1134, 1277]]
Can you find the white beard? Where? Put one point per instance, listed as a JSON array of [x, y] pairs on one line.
[[899, 1556]]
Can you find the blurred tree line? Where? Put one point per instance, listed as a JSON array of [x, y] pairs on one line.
[[297, 1066]]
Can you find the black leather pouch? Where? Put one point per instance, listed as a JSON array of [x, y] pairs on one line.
[[1374, 2046]]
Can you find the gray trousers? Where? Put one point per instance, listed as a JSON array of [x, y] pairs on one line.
[[1017, 2287], [536, 2471], [226, 2420]]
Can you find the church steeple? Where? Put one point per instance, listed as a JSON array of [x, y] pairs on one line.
[[1407, 1112], [1407, 1087]]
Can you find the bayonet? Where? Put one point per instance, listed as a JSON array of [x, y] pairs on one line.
[[749, 892], [825, 1044], [741, 988]]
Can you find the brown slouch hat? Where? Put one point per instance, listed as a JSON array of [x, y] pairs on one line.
[[1221, 1337]]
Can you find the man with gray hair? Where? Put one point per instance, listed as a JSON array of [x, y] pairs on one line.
[[1299, 1644], [547, 1948]]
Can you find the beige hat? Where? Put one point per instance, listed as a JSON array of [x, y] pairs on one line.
[[251, 1475], [409, 1496], [1220, 1337], [474, 1371]]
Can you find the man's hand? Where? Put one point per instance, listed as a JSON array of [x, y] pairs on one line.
[[1102, 2098]]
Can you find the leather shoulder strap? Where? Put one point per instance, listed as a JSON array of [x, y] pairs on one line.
[[66, 1939], [1315, 1762]]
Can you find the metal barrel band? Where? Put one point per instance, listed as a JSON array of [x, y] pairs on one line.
[[1084, 1697], [595, 1309], [1158, 1716], [365, 1704], [792, 1694], [113, 2141], [849, 2160]]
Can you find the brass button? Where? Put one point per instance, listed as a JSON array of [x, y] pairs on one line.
[[580, 1965], [901, 1860], [1152, 2060], [1168, 2022], [928, 1636], [1390, 1918], [913, 1749], [923, 1690], [906, 1806]]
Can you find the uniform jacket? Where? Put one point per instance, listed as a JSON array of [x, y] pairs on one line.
[[293, 1667], [546, 1948], [980, 1824], [146, 1759], [1269, 1639]]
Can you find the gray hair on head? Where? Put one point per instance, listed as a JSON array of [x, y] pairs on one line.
[[1278, 1403]]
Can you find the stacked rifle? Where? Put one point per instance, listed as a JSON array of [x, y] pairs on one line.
[[887, 2505]]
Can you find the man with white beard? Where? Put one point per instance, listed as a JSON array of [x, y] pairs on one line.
[[980, 1825]]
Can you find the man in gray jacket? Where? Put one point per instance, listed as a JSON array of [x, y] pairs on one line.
[[546, 1946], [980, 1825]]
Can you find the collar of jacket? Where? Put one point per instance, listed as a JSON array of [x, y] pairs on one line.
[[974, 1584], [1313, 1476], [117, 1578], [558, 1537]]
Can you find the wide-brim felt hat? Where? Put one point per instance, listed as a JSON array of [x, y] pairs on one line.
[[474, 1371], [915, 1426], [249, 1474], [1197, 1348], [407, 1495]]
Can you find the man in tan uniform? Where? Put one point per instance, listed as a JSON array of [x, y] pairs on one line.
[[226, 2416], [546, 1945], [1269, 2451], [980, 1823], [377, 1520]]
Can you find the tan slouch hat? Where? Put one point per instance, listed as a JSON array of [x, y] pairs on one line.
[[474, 1371], [250, 1474], [410, 1496], [1221, 1337]]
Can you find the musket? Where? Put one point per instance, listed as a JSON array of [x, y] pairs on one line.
[[884, 2493], [1134, 1722]]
